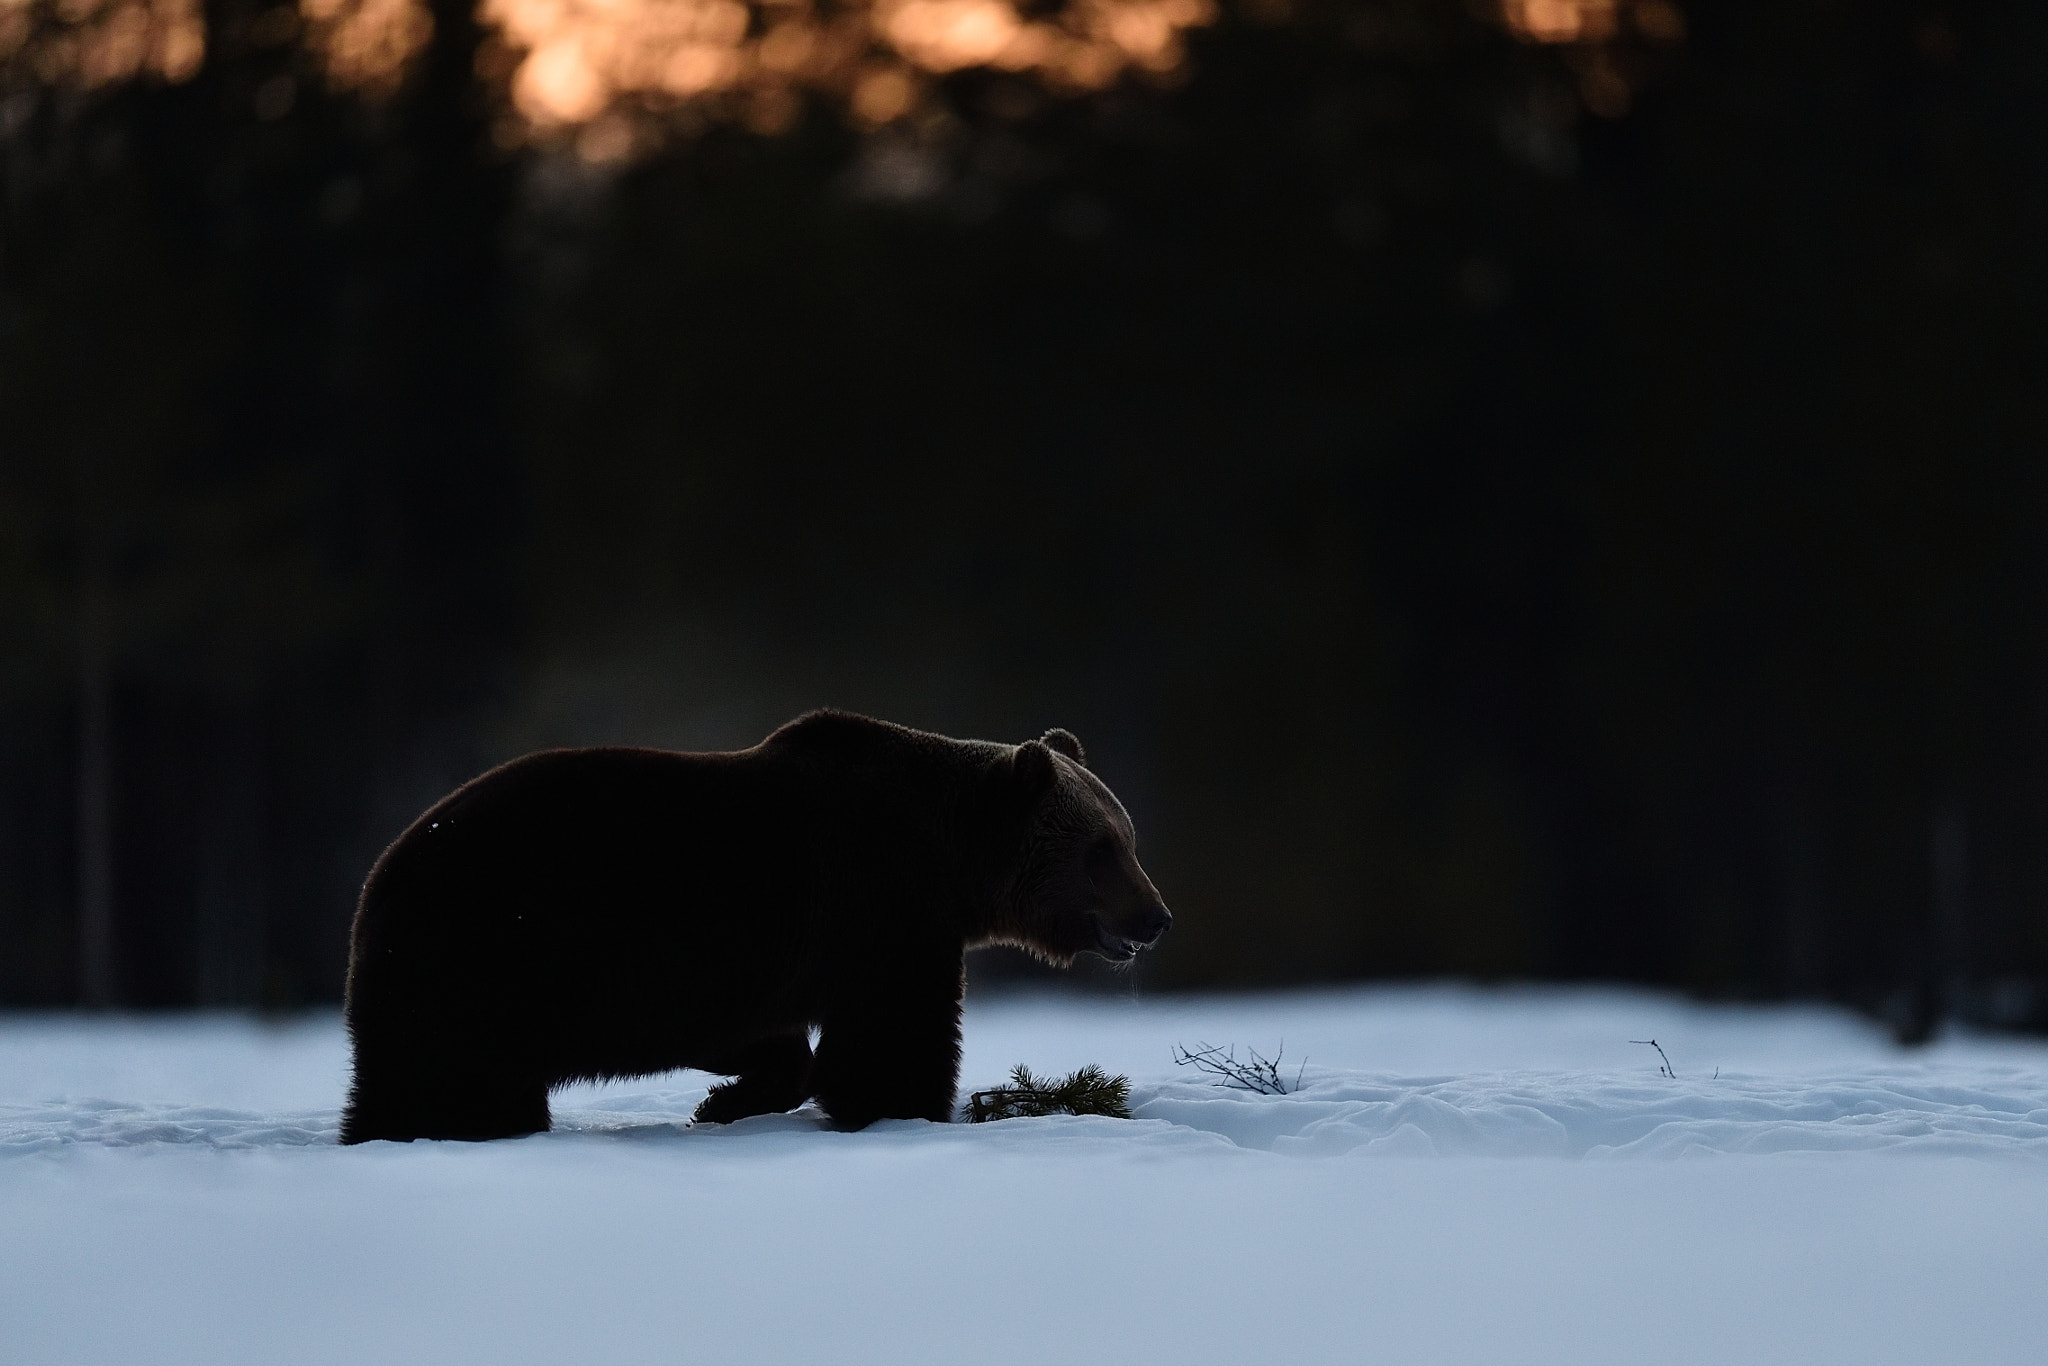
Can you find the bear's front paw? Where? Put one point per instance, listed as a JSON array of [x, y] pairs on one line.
[[737, 1100], [721, 1107]]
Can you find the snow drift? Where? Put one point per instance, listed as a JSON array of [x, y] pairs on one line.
[[172, 1192]]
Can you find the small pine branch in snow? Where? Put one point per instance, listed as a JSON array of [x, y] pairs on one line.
[[1256, 1073], [1665, 1070], [1090, 1091]]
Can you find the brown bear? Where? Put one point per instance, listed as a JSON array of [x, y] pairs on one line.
[[595, 914]]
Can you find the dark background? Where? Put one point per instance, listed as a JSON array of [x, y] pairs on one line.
[[1496, 509]]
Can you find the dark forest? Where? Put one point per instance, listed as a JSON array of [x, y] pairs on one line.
[[1554, 492]]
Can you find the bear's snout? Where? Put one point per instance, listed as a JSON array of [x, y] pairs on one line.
[[1120, 940], [1152, 925]]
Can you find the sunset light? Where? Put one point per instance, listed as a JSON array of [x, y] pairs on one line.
[[578, 59], [1592, 21], [573, 63], [367, 44], [570, 65], [103, 42], [1561, 21]]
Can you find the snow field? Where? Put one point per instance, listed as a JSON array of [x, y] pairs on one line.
[[170, 1193]]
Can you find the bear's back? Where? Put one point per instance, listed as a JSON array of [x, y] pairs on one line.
[[612, 892]]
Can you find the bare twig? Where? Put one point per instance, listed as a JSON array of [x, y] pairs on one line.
[[1257, 1073], [1666, 1068]]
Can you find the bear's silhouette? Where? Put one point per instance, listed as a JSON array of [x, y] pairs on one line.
[[593, 914]]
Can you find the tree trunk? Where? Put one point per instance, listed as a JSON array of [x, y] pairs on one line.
[[94, 839]]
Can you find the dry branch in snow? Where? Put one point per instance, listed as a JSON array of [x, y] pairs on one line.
[[1257, 1073], [1666, 1068]]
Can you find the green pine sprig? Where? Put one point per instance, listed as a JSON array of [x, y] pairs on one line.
[[1090, 1091]]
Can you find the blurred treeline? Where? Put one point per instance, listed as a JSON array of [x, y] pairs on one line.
[[1493, 508]]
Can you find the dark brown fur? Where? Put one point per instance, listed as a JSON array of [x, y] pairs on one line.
[[606, 913]]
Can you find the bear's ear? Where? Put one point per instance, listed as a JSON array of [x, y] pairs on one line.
[[1063, 742], [1033, 769]]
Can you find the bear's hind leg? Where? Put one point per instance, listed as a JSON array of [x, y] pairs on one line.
[[466, 1112], [454, 1099], [768, 1077]]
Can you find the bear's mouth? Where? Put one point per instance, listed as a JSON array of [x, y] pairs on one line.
[[1115, 947]]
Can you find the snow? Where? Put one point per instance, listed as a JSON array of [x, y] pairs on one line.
[[1461, 1176]]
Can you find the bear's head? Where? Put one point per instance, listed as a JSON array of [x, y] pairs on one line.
[[1076, 886]]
